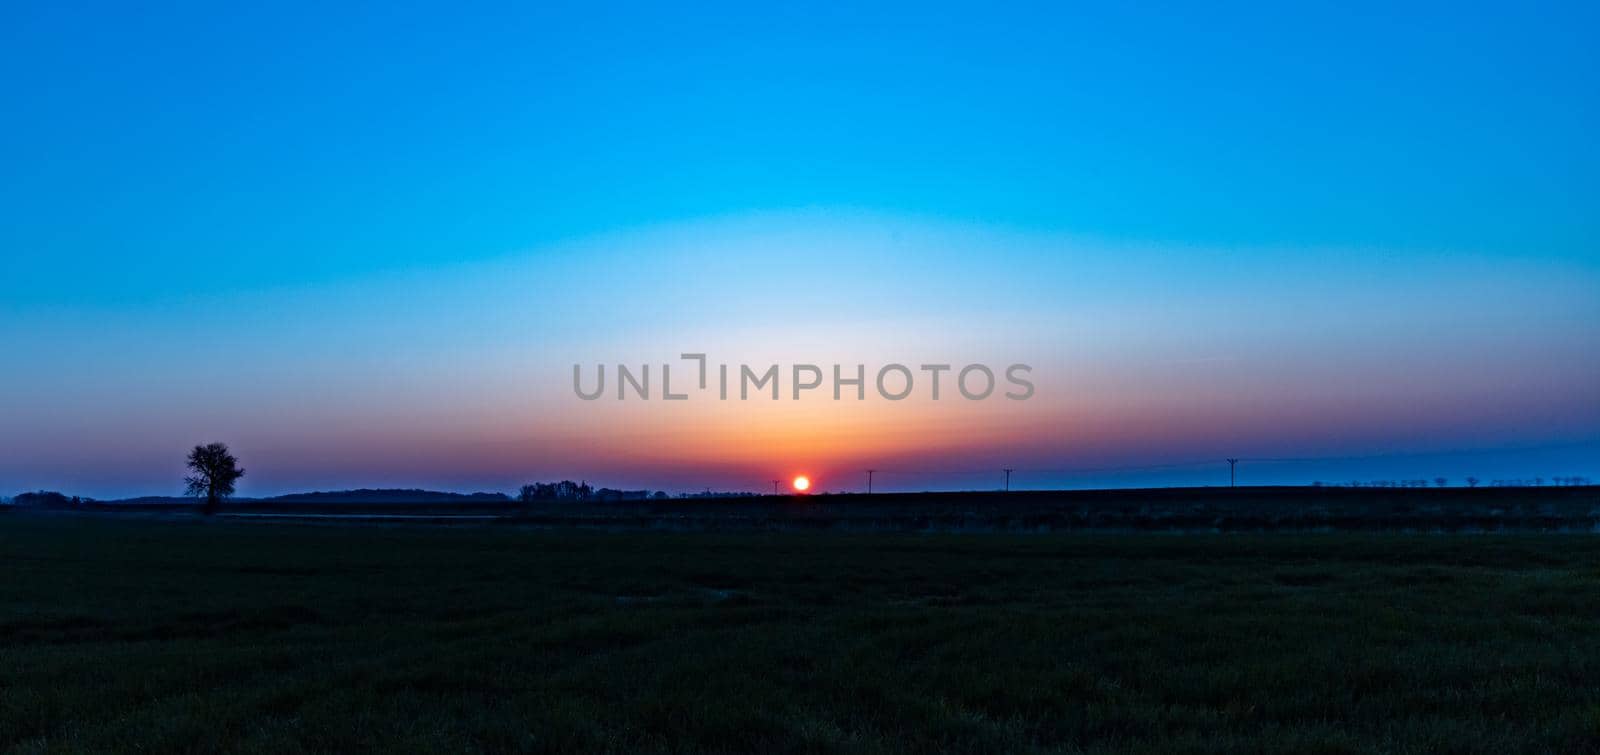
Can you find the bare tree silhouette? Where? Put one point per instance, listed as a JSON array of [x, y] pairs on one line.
[[214, 473], [1472, 482], [1440, 482]]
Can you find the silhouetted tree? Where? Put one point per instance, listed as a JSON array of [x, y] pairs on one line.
[[1472, 482], [214, 473], [528, 494], [1440, 482]]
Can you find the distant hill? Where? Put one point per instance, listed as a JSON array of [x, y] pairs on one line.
[[363, 495], [367, 495]]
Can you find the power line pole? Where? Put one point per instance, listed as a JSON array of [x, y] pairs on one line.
[[775, 487], [1232, 478], [869, 480], [1008, 479]]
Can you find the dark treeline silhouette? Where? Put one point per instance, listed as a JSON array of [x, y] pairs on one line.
[[214, 471], [574, 492], [48, 499]]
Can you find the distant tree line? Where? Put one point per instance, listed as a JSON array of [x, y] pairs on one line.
[[214, 470], [574, 492], [47, 499]]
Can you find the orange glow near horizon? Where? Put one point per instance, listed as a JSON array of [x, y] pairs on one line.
[[802, 484]]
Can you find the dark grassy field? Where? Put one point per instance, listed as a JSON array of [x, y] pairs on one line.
[[204, 636]]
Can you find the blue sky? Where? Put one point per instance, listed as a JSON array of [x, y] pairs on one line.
[[272, 179]]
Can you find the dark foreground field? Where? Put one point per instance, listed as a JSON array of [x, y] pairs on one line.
[[206, 636]]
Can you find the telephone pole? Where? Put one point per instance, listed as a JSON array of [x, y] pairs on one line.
[[1232, 478], [869, 480], [775, 487], [1008, 478]]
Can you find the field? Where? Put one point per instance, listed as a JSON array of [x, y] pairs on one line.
[[120, 633]]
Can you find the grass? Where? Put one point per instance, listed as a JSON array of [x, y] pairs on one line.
[[204, 636]]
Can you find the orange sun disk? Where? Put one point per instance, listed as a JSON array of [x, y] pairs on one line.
[[801, 484]]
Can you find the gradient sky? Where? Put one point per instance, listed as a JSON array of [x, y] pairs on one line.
[[365, 245]]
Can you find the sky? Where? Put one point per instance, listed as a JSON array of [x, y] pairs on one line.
[[366, 245]]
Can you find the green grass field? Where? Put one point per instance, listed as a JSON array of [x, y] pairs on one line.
[[205, 636]]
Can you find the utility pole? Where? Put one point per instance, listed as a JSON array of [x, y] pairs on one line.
[[775, 487], [1008, 479], [1232, 478], [869, 480]]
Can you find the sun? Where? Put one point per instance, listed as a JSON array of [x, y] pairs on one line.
[[802, 484]]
